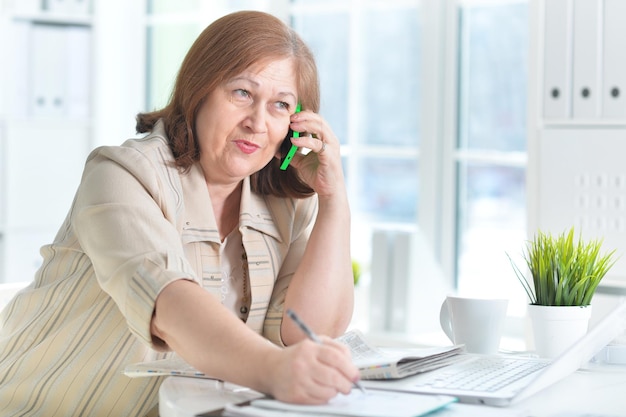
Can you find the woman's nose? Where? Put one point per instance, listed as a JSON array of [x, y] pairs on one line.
[[256, 119]]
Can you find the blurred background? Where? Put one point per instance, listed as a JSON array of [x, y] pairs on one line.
[[432, 101]]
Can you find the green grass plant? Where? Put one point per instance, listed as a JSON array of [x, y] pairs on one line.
[[564, 272]]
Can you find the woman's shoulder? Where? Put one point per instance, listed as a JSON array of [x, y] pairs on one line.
[[152, 147], [147, 159], [156, 140]]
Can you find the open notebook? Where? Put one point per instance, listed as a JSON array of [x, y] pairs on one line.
[[356, 404], [502, 380]]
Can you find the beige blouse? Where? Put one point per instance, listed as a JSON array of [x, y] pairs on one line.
[[137, 223]]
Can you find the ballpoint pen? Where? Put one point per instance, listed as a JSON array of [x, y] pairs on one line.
[[293, 316], [294, 148]]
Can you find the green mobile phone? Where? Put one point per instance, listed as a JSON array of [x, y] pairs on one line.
[[293, 149]]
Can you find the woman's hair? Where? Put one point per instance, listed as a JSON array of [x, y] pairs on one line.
[[226, 48]]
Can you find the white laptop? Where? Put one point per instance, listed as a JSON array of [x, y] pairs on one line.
[[502, 380]]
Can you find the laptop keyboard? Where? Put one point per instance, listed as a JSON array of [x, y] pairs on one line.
[[484, 374]]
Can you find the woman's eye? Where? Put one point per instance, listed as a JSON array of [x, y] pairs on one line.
[[242, 93], [283, 105]]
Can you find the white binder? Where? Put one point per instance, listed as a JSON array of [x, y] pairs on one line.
[[586, 93], [614, 60], [78, 73], [48, 71], [26, 6], [379, 294], [4, 71], [407, 283], [557, 59], [18, 90], [391, 273], [57, 6], [400, 291], [80, 7]]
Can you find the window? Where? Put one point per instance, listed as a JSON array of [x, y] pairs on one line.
[[490, 155], [370, 95]]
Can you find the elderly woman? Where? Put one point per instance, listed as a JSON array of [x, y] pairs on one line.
[[193, 240]]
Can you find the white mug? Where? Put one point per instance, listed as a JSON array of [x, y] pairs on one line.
[[474, 322]]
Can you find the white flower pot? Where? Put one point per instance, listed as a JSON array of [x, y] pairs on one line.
[[556, 328]]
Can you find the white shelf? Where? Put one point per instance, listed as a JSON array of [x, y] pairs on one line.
[[55, 18], [574, 137]]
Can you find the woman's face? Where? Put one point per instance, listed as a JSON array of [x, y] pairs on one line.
[[242, 123]]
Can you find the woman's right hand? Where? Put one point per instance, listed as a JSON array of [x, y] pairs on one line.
[[311, 373]]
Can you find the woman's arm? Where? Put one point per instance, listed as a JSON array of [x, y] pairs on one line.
[[322, 288], [119, 224], [193, 322]]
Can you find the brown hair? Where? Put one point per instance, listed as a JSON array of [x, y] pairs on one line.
[[226, 48]]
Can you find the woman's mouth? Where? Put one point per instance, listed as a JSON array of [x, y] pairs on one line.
[[246, 147]]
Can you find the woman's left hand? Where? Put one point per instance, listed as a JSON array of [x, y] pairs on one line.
[[327, 285], [320, 168]]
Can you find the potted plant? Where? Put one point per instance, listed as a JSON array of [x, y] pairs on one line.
[[565, 273]]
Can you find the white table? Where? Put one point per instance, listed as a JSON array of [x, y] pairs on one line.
[[597, 389], [182, 396]]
